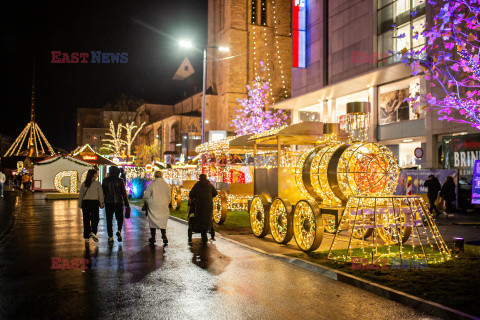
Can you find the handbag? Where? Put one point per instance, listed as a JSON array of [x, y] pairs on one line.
[[145, 208], [441, 203], [128, 210]]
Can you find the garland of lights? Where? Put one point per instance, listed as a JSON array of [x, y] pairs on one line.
[[42, 163], [57, 181], [396, 219]]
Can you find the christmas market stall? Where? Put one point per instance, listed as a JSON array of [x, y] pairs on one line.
[[88, 154], [342, 185], [59, 173]]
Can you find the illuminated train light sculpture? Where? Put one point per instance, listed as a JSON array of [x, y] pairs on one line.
[[229, 166], [344, 186], [181, 180]]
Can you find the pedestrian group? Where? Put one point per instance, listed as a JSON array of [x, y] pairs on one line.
[[447, 195], [112, 196]]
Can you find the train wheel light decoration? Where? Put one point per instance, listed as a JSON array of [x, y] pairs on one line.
[[281, 220], [176, 198], [220, 207], [307, 225], [259, 216]]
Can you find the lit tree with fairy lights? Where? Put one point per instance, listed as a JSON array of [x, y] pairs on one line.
[[131, 134], [116, 143], [252, 116], [452, 63]]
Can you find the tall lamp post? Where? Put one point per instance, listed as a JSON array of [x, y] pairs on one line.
[[189, 44]]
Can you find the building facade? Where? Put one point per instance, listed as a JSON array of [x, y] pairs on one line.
[[257, 32], [169, 135], [350, 56], [92, 124]]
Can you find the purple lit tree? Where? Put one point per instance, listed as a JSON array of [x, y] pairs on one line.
[[452, 63], [252, 116]]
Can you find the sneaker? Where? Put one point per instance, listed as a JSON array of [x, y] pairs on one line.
[[151, 240], [119, 236], [94, 237], [110, 240]]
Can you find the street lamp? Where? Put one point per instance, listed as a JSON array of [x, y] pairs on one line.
[[188, 44]]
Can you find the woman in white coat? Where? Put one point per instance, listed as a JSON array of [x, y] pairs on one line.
[[158, 197]]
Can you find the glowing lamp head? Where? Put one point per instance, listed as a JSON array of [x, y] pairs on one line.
[[224, 49], [185, 43]]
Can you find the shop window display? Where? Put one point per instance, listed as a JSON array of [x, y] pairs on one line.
[[392, 104]]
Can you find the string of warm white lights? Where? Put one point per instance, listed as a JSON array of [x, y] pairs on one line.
[[57, 181], [277, 51], [392, 220]]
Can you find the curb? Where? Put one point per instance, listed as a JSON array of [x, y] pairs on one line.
[[423, 305]]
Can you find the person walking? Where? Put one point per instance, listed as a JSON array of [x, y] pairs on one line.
[[26, 182], [123, 176], [90, 199], [449, 195], [115, 199], [434, 187], [2, 182], [158, 196], [201, 196]]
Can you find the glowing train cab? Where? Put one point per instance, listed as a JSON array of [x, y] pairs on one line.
[[228, 164]]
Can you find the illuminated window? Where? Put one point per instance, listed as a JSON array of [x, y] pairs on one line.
[[400, 23]]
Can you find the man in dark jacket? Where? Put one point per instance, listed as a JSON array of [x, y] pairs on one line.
[[202, 195], [433, 186], [115, 198]]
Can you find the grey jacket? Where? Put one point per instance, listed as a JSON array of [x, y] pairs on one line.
[[94, 192]]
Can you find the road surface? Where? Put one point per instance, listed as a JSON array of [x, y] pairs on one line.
[[132, 280]]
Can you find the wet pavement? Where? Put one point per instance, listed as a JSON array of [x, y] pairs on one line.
[[7, 204], [132, 280]]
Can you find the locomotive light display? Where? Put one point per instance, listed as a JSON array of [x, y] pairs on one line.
[[322, 179]]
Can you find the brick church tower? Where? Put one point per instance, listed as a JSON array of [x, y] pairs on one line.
[[255, 31]]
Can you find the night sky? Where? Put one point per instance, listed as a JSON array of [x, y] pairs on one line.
[[30, 30]]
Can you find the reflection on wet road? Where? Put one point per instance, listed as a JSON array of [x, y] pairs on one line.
[[132, 280]]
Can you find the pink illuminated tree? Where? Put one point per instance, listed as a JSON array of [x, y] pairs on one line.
[[252, 116], [452, 61]]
